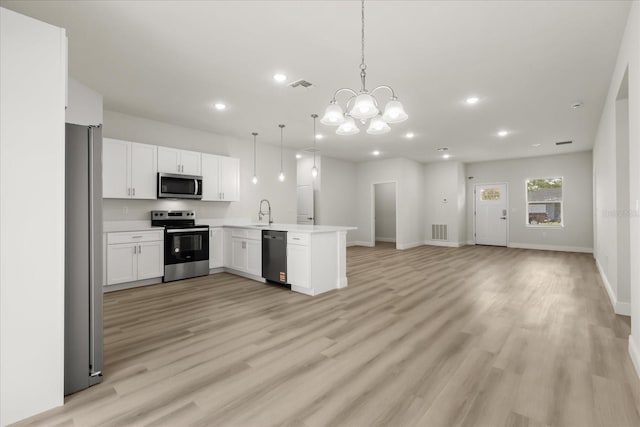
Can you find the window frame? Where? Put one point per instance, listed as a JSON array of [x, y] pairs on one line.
[[527, 203]]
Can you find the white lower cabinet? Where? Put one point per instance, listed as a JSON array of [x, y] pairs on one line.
[[121, 263], [299, 265], [216, 247], [150, 260], [134, 256], [246, 251]]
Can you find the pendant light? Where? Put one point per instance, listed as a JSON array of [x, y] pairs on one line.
[[281, 176], [314, 169], [255, 177], [363, 106]]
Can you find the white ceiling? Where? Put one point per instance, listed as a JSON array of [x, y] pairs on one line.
[[528, 61]]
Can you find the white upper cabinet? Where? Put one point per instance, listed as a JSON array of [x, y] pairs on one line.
[[144, 171], [190, 161], [173, 160], [211, 177], [220, 178], [230, 178], [116, 166], [128, 170]]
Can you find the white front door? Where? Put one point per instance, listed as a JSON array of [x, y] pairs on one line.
[[491, 214]]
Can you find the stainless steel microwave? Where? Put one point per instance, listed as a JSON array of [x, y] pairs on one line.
[[174, 186]]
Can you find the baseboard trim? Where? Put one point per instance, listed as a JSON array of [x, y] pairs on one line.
[[367, 244], [386, 239], [441, 243], [634, 352], [550, 248], [471, 242], [622, 308], [411, 245], [129, 285]]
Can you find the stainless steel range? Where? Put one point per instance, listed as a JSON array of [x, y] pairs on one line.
[[186, 245]]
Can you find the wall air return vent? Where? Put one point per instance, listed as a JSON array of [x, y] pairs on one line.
[[302, 83], [564, 142], [439, 232]]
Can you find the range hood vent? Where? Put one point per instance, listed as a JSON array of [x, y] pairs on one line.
[[302, 83]]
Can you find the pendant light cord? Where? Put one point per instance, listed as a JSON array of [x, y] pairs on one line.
[[315, 116], [281, 146], [363, 66], [254, 152]]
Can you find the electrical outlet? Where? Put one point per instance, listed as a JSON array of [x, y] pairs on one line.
[[125, 210]]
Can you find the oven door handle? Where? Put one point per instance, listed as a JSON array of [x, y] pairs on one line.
[[186, 230]]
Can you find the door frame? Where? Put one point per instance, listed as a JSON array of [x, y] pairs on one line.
[[475, 186], [372, 235]]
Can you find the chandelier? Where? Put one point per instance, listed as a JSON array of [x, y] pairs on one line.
[[363, 106]]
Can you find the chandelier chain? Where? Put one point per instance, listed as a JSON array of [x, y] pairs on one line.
[[363, 66]]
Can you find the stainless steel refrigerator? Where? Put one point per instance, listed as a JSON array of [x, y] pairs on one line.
[[83, 258]]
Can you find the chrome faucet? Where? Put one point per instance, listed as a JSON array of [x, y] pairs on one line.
[[261, 214]]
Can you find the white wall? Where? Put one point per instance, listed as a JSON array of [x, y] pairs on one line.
[[335, 203], [282, 195], [410, 195], [604, 169], [575, 168], [84, 105], [32, 102], [445, 202], [385, 214]]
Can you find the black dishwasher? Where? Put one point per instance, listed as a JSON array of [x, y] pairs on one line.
[[274, 256]]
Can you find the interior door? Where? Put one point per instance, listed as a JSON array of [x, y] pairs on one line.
[[491, 214], [305, 205]]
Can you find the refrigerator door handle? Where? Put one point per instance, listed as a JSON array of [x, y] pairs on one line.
[[92, 260]]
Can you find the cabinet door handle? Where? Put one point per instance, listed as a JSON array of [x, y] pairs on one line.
[[135, 249], [129, 191], [139, 249], [134, 191], [244, 245]]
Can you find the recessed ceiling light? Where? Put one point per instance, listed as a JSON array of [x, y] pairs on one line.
[[319, 136], [442, 149], [576, 105], [536, 145], [472, 100], [409, 135], [279, 77], [298, 156], [220, 106], [446, 156], [376, 153], [503, 133]]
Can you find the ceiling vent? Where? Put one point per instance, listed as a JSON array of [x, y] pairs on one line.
[[302, 83], [564, 142]]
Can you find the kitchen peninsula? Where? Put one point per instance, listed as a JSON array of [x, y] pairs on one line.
[[316, 254]]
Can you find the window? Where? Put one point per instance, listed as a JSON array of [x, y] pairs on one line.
[[544, 202], [490, 194]]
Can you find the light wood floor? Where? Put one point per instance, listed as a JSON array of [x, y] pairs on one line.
[[473, 336]]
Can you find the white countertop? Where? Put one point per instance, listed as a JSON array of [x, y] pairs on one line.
[[298, 228], [124, 226]]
